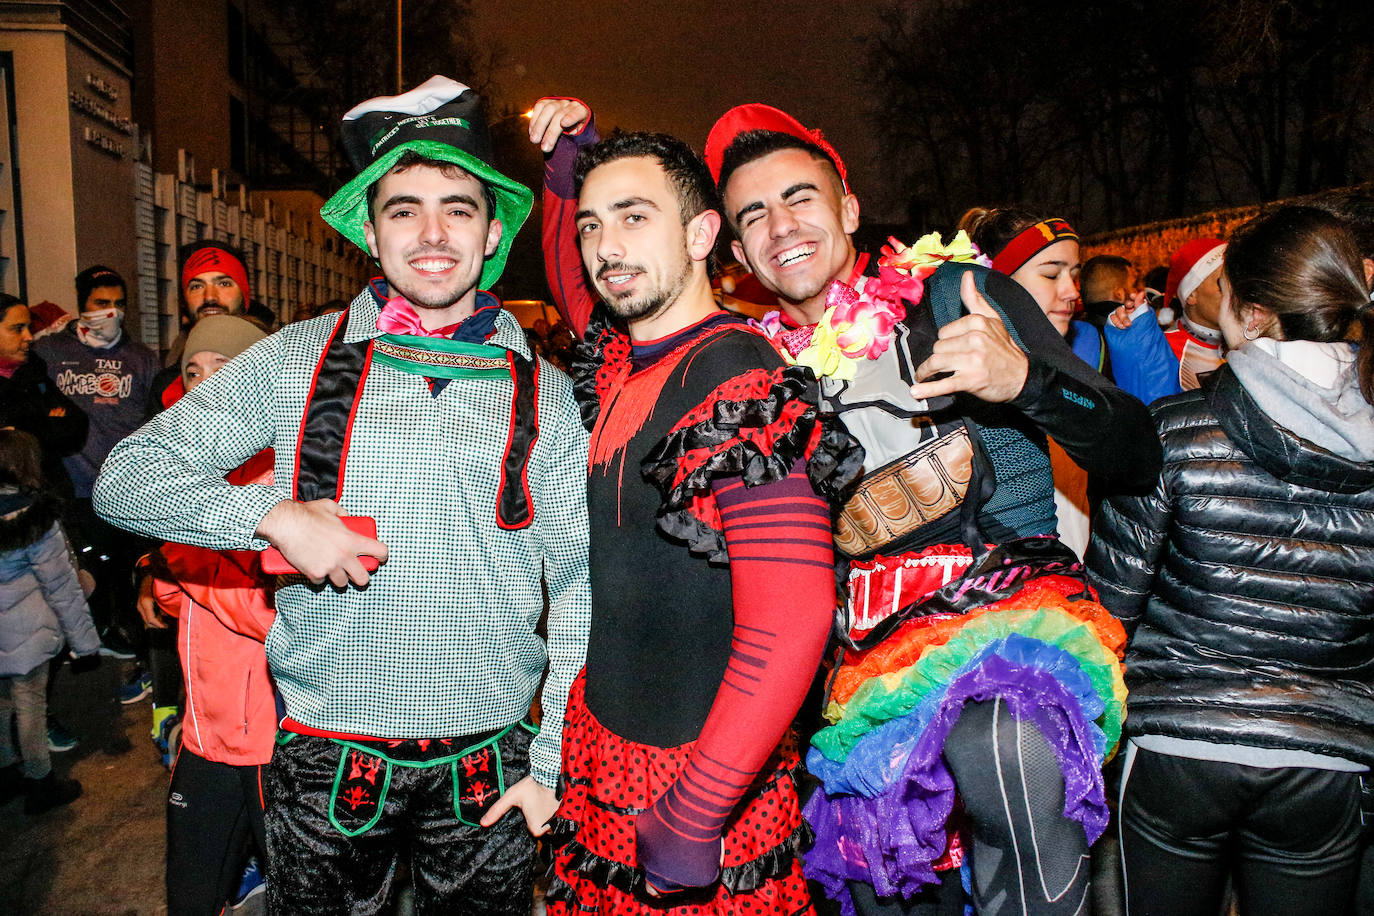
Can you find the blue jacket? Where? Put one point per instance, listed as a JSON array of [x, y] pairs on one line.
[[1141, 362]]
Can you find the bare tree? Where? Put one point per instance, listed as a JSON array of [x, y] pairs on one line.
[[1124, 112]]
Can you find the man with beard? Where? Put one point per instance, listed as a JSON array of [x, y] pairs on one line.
[[711, 562], [421, 409], [214, 281], [952, 421]]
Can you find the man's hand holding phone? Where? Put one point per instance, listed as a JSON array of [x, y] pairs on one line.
[[318, 541]]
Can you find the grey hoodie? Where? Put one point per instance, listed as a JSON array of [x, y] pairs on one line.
[[1335, 418]]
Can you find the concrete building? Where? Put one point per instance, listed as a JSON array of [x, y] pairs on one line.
[[128, 127]]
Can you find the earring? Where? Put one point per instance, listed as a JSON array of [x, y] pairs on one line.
[[1249, 336]]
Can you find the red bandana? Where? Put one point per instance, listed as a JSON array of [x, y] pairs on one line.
[[211, 258]]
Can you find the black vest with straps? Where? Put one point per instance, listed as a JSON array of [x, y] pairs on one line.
[[332, 404]]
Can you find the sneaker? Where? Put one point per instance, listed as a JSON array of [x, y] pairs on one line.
[[49, 792], [166, 733], [137, 688], [59, 739], [160, 715], [114, 645], [251, 885]]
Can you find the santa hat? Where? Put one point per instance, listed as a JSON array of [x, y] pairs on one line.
[[48, 318], [744, 118], [1192, 264], [439, 119]]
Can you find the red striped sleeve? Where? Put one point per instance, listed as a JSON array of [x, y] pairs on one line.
[[781, 571]]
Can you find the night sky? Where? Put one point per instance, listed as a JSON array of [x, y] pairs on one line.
[[677, 66]]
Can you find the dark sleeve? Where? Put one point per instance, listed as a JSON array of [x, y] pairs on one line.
[[147, 393], [1128, 538], [58, 423], [162, 379], [562, 256], [1106, 431]]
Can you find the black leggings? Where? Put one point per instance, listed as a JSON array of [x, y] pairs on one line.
[[1288, 836], [1027, 858], [212, 808]]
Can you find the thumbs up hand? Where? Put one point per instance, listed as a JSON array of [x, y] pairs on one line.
[[974, 354]]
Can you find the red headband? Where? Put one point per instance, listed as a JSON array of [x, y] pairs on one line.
[[209, 259], [1030, 242]]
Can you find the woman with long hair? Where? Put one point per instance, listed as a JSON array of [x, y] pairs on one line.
[[1246, 583], [1042, 254]]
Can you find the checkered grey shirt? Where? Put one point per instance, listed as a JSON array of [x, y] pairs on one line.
[[441, 642]]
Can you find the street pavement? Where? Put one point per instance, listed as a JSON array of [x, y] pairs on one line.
[[101, 855]]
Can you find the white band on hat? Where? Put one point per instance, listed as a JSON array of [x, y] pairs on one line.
[[424, 98], [1201, 270]]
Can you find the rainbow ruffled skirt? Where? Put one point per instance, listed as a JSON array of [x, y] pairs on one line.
[[887, 792]]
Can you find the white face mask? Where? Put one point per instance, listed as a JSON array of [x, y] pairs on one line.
[[100, 329], [1165, 316]]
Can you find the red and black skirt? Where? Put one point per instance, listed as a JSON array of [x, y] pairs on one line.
[[610, 781]]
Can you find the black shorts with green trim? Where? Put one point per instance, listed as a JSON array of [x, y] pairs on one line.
[[342, 814]]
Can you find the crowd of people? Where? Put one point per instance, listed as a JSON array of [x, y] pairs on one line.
[[964, 554]]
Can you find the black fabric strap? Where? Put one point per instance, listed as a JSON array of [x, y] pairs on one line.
[[513, 508], [328, 411]]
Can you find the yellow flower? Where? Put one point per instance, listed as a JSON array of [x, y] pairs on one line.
[[823, 355], [929, 252]]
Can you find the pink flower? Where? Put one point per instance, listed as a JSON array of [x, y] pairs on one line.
[[893, 284], [770, 324], [862, 324]]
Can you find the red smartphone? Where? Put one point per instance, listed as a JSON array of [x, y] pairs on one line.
[[274, 564]]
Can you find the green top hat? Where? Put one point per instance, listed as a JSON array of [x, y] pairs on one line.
[[439, 119]]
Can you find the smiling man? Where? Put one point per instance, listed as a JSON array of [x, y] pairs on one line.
[[422, 408], [953, 416], [679, 755], [213, 280]]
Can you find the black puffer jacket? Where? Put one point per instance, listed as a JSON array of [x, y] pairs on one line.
[[1246, 581]]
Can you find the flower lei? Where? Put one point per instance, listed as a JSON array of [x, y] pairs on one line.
[[859, 325]]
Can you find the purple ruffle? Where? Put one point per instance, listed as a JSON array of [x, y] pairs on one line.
[[880, 756], [891, 840]]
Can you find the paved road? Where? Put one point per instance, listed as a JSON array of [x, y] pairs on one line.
[[103, 853]]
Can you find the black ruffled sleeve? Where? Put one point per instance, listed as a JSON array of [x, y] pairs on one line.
[[756, 426]]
